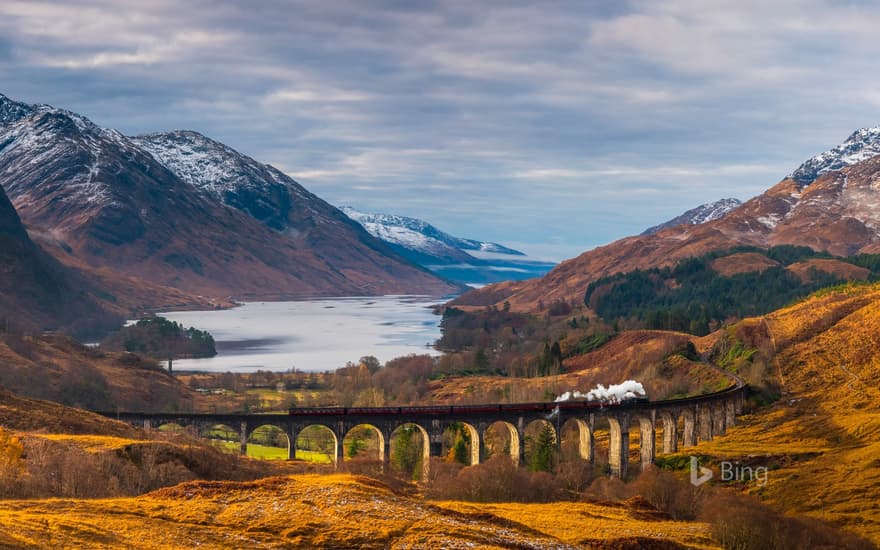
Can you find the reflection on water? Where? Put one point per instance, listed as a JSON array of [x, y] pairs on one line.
[[314, 335]]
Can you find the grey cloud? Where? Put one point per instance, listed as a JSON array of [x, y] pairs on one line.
[[515, 121]]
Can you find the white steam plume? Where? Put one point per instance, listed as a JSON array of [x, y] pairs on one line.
[[615, 393]]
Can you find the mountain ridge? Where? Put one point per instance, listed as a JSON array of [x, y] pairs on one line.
[[110, 202], [421, 236], [707, 212], [838, 212], [37, 291]]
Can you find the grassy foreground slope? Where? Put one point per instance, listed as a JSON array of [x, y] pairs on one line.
[[821, 440], [330, 511], [79, 455]]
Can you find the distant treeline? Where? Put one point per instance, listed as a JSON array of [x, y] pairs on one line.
[[693, 297], [160, 338]]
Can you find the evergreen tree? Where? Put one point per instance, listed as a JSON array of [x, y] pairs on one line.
[[355, 446], [556, 357], [481, 360], [459, 450], [407, 454], [543, 457], [545, 363]]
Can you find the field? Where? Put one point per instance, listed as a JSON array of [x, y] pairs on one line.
[[265, 452], [332, 511]]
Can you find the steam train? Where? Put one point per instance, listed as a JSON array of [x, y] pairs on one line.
[[547, 407]]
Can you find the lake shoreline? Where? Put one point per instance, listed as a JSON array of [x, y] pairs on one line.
[[318, 335]]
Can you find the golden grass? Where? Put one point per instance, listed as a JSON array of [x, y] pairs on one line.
[[822, 438], [34, 415], [96, 443], [583, 523], [265, 452], [335, 511]]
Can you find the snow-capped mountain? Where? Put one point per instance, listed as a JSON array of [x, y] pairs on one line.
[[187, 212], [464, 260], [704, 213], [420, 236], [861, 145]]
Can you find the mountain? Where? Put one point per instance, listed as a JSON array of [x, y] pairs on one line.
[[704, 213], [861, 145], [182, 210], [420, 236], [464, 260], [837, 212], [36, 291]]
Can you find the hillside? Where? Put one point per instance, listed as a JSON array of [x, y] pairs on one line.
[[656, 358], [339, 511], [184, 211], [37, 291], [23, 414], [820, 440], [49, 450], [834, 212], [420, 237], [59, 369], [699, 294]]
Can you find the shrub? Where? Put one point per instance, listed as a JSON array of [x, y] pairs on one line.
[[743, 523]]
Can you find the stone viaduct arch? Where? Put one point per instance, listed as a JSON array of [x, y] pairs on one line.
[[684, 422]]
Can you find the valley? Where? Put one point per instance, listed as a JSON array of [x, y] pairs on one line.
[[198, 349]]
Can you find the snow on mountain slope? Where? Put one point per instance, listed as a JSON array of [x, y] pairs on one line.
[[704, 213], [420, 236], [861, 145], [222, 173], [32, 136]]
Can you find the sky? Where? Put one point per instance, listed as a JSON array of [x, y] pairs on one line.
[[552, 126]]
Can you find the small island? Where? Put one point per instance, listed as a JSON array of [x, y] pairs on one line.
[[160, 338]]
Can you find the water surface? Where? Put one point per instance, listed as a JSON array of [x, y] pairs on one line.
[[314, 335]]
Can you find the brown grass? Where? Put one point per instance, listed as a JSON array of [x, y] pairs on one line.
[[338, 511], [744, 262], [841, 269], [822, 438]]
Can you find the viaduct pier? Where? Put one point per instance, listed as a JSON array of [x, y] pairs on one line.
[[681, 422]]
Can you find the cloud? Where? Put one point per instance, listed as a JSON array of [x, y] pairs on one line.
[[564, 123]]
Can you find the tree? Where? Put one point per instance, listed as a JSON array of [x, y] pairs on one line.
[[481, 360], [459, 450], [556, 357], [355, 446], [407, 453], [543, 457], [545, 363], [12, 465], [371, 363]]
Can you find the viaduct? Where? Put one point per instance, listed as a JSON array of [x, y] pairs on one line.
[[683, 422]]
